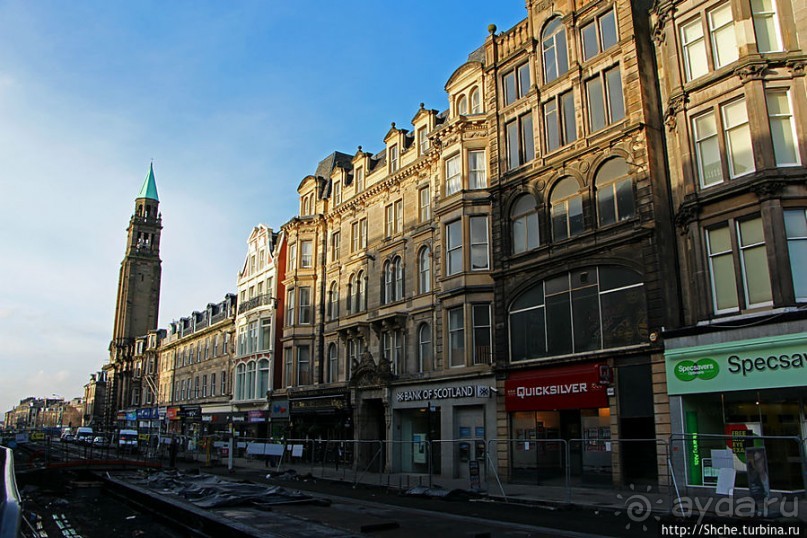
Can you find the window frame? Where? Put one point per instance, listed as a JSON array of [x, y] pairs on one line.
[[529, 215], [597, 24], [476, 328], [393, 156], [524, 151], [453, 249], [306, 258], [474, 174], [757, 15], [789, 118], [453, 181], [476, 242], [607, 97], [424, 204], [424, 270], [559, 43]]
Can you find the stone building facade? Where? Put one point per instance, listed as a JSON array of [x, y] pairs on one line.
[[732, 81], [582, 243]]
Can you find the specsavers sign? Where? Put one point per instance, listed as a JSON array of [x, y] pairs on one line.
[[761, 363]]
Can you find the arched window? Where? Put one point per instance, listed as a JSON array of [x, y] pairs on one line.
[[333, 303], [360, 287], [351, 295], [306, 206], [553, 44], [424, 347], [398, 266], [333, 364], [579, 311], [425, 270], [524, 222], [389, 280], [250, 382], [240, 381], [476, 101], [263, 378], [567, 209], [614, 192], [462, 105]]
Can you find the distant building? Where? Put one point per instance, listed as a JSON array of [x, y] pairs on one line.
[[94, 400]]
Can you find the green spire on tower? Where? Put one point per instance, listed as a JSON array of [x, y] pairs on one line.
[[149, 189]]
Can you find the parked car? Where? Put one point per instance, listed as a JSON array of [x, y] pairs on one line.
[[127, 439], [84, 435], [100, 441], [67, 438]]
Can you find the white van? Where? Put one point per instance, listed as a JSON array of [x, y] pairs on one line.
[[127, 439], [84, 435]]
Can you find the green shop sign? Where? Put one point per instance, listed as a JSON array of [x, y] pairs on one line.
[[761, 363]]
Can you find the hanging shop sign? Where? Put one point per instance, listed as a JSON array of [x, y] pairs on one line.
[[279, 409], [565, 387], [172, 413], [256, 416], [761, 363]]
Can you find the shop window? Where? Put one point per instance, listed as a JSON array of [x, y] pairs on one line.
[[796, 228], [614, 192], [584, 310], [524, 224]]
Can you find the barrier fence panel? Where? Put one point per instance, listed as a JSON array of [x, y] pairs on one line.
[[752, 466]]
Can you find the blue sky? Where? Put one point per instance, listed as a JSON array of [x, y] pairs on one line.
[[235, 101]]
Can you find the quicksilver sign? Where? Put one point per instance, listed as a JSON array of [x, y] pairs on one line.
[[442, 393]]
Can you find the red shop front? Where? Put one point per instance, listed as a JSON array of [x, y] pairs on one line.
[[559, 416]]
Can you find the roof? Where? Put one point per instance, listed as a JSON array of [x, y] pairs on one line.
[[337, 158], [149, 188]]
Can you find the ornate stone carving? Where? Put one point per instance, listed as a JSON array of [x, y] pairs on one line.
[[676, 104], [768, 189], [367, 372], [685, 216], [753, 71], [664, 11], [796, 67]]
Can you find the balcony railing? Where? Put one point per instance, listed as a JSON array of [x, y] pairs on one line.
[[255, 302]]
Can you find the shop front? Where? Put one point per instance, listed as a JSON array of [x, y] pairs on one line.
[[279, 418], [557, 413], [442, 428], [320, 415], [148, 426], [730, 400]]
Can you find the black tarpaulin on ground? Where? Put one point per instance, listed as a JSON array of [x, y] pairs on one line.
[[208, 491]]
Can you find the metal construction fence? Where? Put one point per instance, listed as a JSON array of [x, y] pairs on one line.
[[10, 509], [561, 470]]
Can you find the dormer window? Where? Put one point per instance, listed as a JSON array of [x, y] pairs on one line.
[[423, 141], [462, 105], [359, 179], [476, 101], [306, 206], [393, 158], [337, 192]]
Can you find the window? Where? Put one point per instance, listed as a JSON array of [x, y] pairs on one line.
[[399, 278], [424, 270], [783, 129], [796, 229], [333, 301], [553, 44], [480, 259], [614, 192], [424, 347], [766, 25], [263, 378], [524, 220], [183, 393], [306, 254], [453, 175], [351, 295], [359, 179], [306, 206], [292, 263], [360, 295], [753, 262], [336, 242], [737, 135], [584, 310], [393, 158], [212, 384], [599, 35], [424, 201], [290, 307], [476, 101], [363, 233], [289, 365], [462, 105], [392, 348], [722, 41], [305, 305], [516, 83], [240, 381], [423, 140], [605, 103], [454, 248], [204, 386], [482, 337], [456, 337], [249, 392], [337, 192], [567, 209], [389, 279], [303, 365], [223, 382], [477, 176], [707, 150], [520, 141], [355, 239], [393, 223], [333, 364], [559, 121]]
